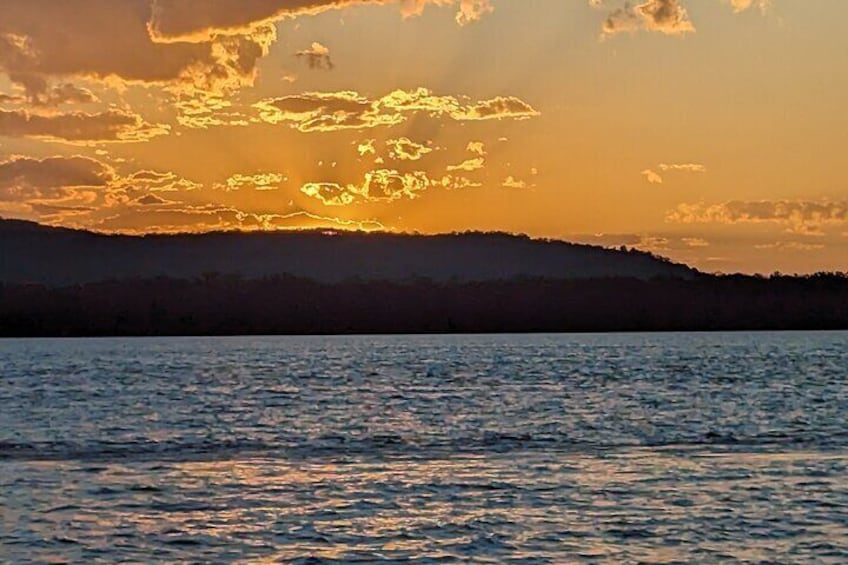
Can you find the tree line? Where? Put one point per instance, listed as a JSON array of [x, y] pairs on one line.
[[229, 305]]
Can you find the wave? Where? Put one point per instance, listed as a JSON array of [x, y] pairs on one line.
[[394, 445]]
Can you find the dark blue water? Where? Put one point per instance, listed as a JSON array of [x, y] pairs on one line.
[[664, 448]]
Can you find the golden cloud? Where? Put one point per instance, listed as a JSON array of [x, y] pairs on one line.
[[154, 181], [191, 45], [32, 53], [81, 190], [512, 182], [334, 111], [173, 219], [476, 147], [403, 149], [807, 217], [208, 110], [497, 108], [58, 95], [52, 178], [366, 147], [258, 181], [469, 165], [113, 125], [381, 185]]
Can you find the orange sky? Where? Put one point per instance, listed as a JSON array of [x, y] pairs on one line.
[[709, 131]]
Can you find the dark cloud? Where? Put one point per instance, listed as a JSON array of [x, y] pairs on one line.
[[317, 57], [25, 178], [113, 125], [664, 16], [191, 45]]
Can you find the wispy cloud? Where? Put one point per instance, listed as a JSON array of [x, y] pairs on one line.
[[653, 177], [808, 217], [256, 181]]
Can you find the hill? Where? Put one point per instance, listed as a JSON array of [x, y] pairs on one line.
[[32, 253]]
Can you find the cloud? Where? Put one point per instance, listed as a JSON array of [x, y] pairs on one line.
[[684, 167], [65, 93], [180, 218], [652, 176], [403, 149], [476, 147], [607, 239], [469, 165], [11, 99], [695, 242], [112, 125], [151, 200], [79, 190], [153, 181], [790, 246], [54, 212], [473, 10], [188, 45], [258, 181], [170, 218], [325, 111], [342, 110], [687, 246], [33, 52], [52, 178], [202, 20], [381, 185], [456, 182], [663, 16], [806, 217], [512, 182], [366, 147], [497, 108], [208, 110], [418, 100], [742, 5], [317, 57]]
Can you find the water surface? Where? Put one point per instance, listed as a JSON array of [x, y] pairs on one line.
[[528, 449]]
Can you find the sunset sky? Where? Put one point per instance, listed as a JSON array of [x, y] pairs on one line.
[[709, 131]]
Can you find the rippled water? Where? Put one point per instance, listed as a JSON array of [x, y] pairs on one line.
[[616, 448]]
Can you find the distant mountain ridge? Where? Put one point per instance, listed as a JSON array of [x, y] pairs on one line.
[[33, 253]]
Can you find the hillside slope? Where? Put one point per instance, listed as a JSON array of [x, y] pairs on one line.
[[32, 253]]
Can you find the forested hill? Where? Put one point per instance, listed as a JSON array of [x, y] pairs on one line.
[[32, 253]]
